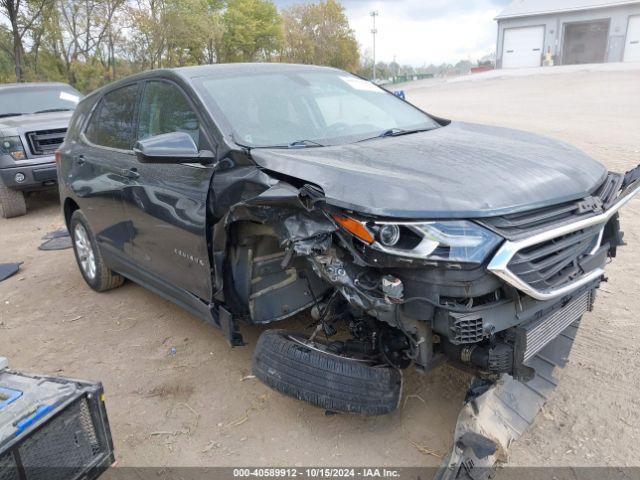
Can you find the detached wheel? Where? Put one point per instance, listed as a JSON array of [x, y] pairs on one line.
[[92, 266], [287, 364], [12, 202]]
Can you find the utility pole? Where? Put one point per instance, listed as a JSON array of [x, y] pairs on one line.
[[374, 31]]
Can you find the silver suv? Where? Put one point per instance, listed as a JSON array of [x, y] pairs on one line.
[[33, 124]]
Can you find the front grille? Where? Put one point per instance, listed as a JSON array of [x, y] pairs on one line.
[[556, 262], [45, 142], [519, 225], [536, 334]]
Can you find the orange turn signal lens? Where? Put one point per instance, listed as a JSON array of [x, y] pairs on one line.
[[355, 227]]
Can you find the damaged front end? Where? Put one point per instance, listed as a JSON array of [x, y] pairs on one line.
[[485, 294], [500, 297]]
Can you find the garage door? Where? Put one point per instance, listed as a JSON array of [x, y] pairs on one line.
[[632, 46], [522, 47]]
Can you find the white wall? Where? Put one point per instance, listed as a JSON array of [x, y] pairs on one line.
[[554, 29]]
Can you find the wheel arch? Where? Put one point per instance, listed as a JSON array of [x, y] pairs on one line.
[[68, 208]]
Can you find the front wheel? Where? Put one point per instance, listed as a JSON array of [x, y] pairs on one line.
[[12, 203], [92, 266], [309, 372]]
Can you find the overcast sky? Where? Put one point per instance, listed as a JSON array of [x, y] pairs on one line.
[[421, 32]]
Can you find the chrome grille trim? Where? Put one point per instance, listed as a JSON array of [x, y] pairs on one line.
[[499, 264]]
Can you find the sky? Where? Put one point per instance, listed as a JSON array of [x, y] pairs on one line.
[[419, 32]]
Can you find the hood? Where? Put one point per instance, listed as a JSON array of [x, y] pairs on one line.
[[459, 171], [38, 121]]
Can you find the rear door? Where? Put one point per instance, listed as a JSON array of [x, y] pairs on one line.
[[522, 47], [167, 203], [632, 44], [99, 169]]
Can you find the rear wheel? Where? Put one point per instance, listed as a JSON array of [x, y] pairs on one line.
[[12, 202], [288, 363], [92, 266]]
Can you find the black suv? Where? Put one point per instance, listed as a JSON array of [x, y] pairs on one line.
[[249, 193], [33, 123]]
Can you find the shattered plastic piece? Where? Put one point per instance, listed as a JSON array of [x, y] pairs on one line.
[[56, 240], [494, 417], [8, 269]]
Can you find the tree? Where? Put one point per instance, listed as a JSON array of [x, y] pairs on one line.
[[252, 31], [319, 34], [22, 16]]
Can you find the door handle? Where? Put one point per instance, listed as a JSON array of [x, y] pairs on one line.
[[79, 160], [130, 173]]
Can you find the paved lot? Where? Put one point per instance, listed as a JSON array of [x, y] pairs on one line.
[[198, 408]]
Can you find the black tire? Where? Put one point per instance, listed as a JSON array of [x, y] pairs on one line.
[[103, 278], [328, 381], [12, 202]]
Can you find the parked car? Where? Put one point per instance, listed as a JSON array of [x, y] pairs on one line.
[[33, 123], [249, 193]]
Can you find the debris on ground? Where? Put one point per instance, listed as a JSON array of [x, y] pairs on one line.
[[8, 270], [56, 240], [497, 413]]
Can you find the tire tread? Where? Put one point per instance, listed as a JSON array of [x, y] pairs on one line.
[[12, 202], [324, 380]]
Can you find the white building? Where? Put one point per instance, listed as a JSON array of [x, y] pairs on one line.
[[568, 32]]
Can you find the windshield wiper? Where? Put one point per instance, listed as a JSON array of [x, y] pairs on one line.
[[49, 110], [304, 144], [2, 115], [396, 132]]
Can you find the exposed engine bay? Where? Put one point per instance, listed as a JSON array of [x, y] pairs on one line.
[[487, 294]]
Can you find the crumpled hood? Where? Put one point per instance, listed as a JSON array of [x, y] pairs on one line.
[[459, 171]]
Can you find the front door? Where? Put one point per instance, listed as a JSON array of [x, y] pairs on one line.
[[99, 169], [167, 203]]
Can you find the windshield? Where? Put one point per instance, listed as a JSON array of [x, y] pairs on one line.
[[22, 100], [307, 109]]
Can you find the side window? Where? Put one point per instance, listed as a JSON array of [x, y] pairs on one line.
[[113, 122], [164, 109]]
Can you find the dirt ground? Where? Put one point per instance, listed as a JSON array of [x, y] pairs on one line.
[[197, 407]]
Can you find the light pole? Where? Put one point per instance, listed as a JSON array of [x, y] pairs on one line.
[[374, 31]]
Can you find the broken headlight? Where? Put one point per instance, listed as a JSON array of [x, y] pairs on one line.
[[459, 241], [12, 146]]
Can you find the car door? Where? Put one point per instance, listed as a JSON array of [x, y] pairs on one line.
[[99, 171], [167, 203]]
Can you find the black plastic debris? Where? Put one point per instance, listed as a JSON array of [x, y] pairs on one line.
[[56, 240], [8, 270], [495, 414]]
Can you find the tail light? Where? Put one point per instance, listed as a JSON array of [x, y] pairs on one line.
[[58, 156]]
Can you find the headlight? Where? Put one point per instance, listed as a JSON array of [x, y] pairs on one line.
[[12, 146], [457, 241]]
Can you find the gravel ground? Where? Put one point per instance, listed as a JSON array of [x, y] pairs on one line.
[[198, 407]]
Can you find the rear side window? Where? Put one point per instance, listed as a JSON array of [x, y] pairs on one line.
[[112, 124], [165, 109]]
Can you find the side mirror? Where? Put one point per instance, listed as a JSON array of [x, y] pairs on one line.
[[175, 147]]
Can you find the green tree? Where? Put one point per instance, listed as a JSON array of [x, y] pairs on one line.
[[252, 31], [319, 34], [22, 16]]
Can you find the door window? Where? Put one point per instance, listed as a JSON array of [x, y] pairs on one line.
[[165, 109], [112, 124]]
